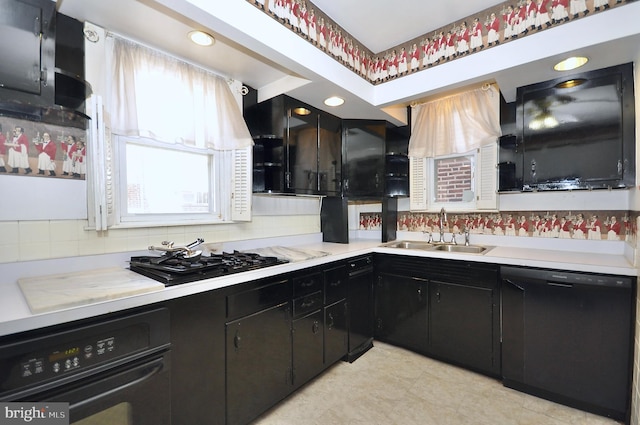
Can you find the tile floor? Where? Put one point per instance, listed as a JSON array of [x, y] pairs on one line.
[[393, 386]]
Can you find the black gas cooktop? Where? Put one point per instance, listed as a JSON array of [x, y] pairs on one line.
[[175, 269]]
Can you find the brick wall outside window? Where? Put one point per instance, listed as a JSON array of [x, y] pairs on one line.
[[453, 177]]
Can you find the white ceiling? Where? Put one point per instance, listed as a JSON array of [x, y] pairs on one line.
[[253, 48]]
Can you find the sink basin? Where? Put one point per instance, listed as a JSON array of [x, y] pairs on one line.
[[410, 245], [465, 249]]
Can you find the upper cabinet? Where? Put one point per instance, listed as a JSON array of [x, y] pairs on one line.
[[313, 150], [303, 150], [42, 72], [364, 149], [297, 148], [28, 46]]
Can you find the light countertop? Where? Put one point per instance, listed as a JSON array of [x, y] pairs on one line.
[[17, 316]]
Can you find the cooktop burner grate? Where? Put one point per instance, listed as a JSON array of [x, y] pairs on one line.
[[172, 270]]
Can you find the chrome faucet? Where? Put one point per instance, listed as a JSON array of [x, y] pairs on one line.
[[443, 218]]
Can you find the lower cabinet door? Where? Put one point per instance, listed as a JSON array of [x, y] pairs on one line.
[[402, 311], [461, 325], [258, 362], [336, 337], [308, 341]]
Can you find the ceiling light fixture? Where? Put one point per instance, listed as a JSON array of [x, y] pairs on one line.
[[201, 38], [334, 101], [301, 111], [571, 63], [574, 82]]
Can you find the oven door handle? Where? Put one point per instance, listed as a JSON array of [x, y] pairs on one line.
[[157, 365]]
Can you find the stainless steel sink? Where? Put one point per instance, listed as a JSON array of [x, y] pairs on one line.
[[410, 245], [435, 246], [465, 249]]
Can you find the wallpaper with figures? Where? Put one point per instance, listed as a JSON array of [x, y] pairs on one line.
[[488, 28], [34, 148], [592, 225]]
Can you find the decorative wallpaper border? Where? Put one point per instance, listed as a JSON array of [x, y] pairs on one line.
[[502, 23], [592, 225]]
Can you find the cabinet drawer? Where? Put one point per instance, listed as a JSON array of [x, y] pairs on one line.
[[335, 284], [308, 303], [256, 299], [306, 284]]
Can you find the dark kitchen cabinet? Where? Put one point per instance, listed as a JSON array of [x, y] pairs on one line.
[[364, 158], [258, 362], [308, 347], [28, 46], [336, 337], [268, 164], [360, 302], [314, 150], [308, 327], [396, 167], [447, 309], [402, 310], [461, 325], [258, 348], [464, 325], [198, 358], [336, 332], [42, 72], [297, 147], [241, 349]]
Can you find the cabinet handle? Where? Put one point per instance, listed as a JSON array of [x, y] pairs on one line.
[[236, 340], [316, 327], [335, 283], [420, 294], [331, 322], [306, 304], [308, 283], [438, 296]]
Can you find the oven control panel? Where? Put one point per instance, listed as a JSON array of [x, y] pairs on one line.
[[79, 355], [62, 355]]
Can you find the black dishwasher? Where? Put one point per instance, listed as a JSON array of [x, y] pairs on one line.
[[568, 337]]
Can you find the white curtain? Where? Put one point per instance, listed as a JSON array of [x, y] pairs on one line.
[[154, 95], [455, 124]]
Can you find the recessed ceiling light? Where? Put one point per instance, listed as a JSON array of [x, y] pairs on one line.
[[202, 38], [334, 101], [571, 63]]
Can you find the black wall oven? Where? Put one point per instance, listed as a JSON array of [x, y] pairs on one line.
[[112, 371]]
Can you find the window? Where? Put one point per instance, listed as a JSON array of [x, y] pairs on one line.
[[453, 151], [159, 181], [177, 149], [460, 182]]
